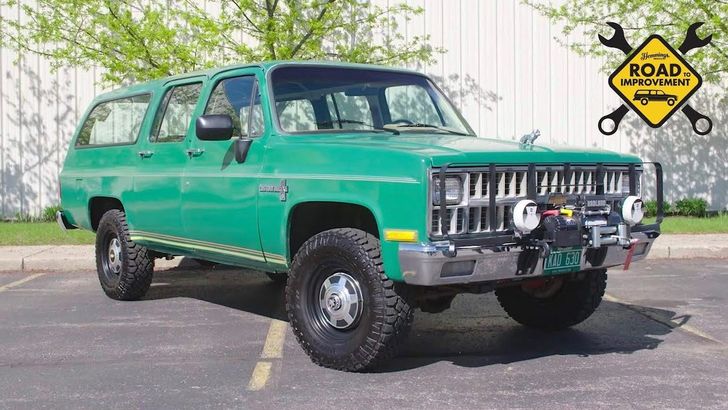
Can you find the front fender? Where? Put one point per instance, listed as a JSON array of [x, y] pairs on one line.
[[395, 203]]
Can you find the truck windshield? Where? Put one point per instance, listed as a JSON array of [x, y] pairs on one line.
[[330, 99]]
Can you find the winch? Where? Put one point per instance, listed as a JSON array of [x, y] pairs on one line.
[[589, 223], [561, 230]]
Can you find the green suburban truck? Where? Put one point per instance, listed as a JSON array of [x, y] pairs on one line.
[[361, 187]]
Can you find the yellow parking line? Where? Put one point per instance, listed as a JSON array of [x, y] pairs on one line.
[[272, 349], [260, 376], [671, 323], [20, 281]]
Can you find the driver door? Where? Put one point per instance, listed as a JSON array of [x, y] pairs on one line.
[[219, 195]]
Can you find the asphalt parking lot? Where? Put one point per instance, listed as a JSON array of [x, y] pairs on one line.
[[218, 338]]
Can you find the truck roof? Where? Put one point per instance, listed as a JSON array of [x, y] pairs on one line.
[[152, 85]]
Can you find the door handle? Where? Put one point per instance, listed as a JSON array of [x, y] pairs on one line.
[[195, 152], [146, 154]]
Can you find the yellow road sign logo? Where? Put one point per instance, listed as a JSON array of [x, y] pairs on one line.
[[655, 80]]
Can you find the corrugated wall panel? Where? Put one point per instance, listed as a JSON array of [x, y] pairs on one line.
[[541, 76], [488, 60], [504, 68]]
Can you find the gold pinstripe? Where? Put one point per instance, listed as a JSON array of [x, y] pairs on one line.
[[208, 246]]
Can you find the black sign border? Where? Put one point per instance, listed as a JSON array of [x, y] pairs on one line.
[[629, 102]]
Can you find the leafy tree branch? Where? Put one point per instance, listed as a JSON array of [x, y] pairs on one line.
[[641, 18], [137, 40]]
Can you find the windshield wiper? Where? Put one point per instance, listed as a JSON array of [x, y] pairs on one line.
[[397, 127], [346, 121], [343, 121]]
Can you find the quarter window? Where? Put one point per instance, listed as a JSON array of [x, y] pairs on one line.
[[114, 122], [175, 113], [234, 97]]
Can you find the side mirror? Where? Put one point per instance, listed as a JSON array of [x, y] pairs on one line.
[[214, 127]]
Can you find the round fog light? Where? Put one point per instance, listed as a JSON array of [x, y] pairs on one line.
[[632, 211], [525, 217]]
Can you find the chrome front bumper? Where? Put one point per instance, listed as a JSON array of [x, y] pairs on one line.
[[429, 264]]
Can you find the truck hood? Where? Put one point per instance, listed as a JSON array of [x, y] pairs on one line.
[[453, 149]]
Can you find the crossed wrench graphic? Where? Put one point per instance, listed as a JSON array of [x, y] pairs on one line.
[[691, 41]]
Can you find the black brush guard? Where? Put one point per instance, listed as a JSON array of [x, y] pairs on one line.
[[501, 238]]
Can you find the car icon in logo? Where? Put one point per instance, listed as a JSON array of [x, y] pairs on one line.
[[645, 96]]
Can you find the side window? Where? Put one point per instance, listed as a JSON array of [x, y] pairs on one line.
[[296, 115], [114, 122], [411, 103], [234, 97], [175, 113]]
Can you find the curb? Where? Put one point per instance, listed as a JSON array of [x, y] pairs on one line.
[[65, 258], [60, 258], [688, 246]]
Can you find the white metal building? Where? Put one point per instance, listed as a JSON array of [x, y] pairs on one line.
[[504, 68]]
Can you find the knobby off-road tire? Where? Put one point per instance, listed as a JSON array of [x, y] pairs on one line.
[[125, 268], [569, 305], [349, 261]]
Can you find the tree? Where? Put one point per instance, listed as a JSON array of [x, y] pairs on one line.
[[136, 40], [641, 18]]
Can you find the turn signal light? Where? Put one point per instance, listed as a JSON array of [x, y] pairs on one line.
[[400, 235]]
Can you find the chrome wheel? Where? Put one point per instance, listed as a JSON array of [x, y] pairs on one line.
[[114, 257], [340, 300]]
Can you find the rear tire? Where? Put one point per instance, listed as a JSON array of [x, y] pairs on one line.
[[344, 311], [555, 308], [125, 268]]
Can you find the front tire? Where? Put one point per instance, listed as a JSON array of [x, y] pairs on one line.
[[125, 268], [560, 302], [344, 311]]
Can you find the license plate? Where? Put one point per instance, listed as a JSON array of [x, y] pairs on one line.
[[562, 260]]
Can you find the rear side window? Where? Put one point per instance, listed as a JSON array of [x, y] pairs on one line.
[[114, 122], [175, 113]]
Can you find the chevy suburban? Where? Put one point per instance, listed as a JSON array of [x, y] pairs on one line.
[[361, 187]]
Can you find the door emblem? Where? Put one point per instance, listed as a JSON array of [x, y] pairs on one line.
[[282, 189]]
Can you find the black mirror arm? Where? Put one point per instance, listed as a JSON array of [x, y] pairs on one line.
[[241, 148]]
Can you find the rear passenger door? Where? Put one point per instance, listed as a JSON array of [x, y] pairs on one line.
[[162, 158], [219, 195]]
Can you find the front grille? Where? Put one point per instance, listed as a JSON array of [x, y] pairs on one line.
[[472, 215]]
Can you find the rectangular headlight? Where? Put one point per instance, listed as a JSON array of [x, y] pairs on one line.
[[453, 190]]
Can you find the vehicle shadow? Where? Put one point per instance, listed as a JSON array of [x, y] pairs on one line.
[[475, 332], [235, 288]]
